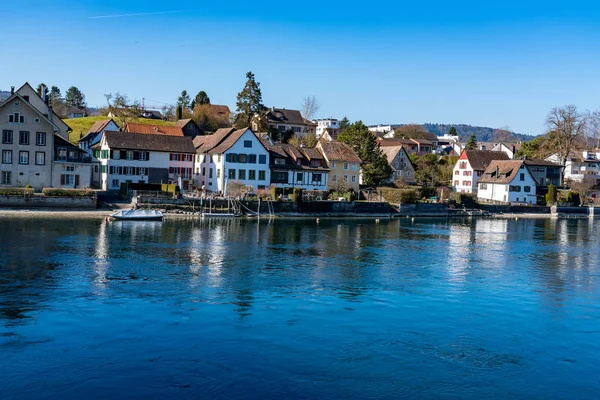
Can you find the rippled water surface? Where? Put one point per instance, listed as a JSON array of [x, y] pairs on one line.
[[295, 309]]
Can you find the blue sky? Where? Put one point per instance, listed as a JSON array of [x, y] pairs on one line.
[[501, 64]]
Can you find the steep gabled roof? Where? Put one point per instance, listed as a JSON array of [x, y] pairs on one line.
[[23, 101], [339, 151], [219, 109], [312, 153], [154, 129], [138, 141], [480, 159], [394, 142], [503, 171], [536, 162], [206, 143], [230, 140]]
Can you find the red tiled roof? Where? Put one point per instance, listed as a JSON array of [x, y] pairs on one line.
[[146, 129]]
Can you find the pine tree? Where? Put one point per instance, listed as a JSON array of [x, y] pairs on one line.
[[452, 132], [55, 93], [344, 123], [184, 99], [249, 104], [75, 98], [376, 169], [471, 143], [200, 99], [179, 112]]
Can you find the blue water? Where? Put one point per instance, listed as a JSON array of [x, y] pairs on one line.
[[299, 310]]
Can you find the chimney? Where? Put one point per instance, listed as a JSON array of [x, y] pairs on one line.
[[50, 112], [46, 97], [12, 90]]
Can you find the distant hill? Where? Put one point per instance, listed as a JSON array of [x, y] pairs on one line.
[[4, 95], [482, 133]]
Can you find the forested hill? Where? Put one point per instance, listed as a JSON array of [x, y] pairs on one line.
[[482, 133]]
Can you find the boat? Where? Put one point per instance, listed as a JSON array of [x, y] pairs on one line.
[[139, 215]]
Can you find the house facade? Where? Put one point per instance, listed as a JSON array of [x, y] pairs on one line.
[[544, 172], [400, 162], [296, 167], [343, 164], [509, 148], [470, 165], [284, 120], [189, 127], [329, 125], [231, 156], [26, 145], [92, 138], [72, 167], [141, 158], [507, 182], [579, 164]]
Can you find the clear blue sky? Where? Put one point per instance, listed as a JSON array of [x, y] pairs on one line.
[[504, 64]]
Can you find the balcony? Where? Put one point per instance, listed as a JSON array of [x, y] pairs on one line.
[[85, 159]]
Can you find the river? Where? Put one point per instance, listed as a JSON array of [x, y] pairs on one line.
[[299, 309]]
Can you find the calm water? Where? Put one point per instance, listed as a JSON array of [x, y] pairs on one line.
[[292, 309]]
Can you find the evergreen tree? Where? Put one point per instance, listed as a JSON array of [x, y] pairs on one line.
[[471, 143], [40, 89], [200, 99], [452, 132], [344, 123], [551, 195], [184, 99], [179, 112], [55, 93], [376, 169], [249, 104], [75, 98]]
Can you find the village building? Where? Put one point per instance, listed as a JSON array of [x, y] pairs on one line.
[[229, 156], [343, 164], [146, 129], [509, 148], [189, 127], [72, 167], [297, 167], [470, 166], [507, 182], [284, 120], [579, 164], [92, 138], [398, 159], [141, 158], [329, 127], [544, 172]]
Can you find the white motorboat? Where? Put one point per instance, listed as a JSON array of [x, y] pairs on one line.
[[139, 215]]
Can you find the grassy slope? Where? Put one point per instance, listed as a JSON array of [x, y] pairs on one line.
[[83, 125]]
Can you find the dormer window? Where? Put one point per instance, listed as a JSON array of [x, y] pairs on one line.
[[16, 118]]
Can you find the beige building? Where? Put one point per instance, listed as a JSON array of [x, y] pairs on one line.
[[344, 164]]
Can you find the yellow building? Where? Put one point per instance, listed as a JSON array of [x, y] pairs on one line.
[[344, 164]]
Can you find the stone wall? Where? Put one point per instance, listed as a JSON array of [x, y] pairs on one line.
[[39, 201]]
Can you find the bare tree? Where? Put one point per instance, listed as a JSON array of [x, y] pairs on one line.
[[122, 109], [502, 134], [566, 125], [310, 106], [584, 187], [592, 128]]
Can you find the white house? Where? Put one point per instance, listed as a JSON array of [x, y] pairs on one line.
[[579, 164], [383, 131], [509, 148], [92, 138], [230, 155], [140, 158], [329, 125], [296, 167], [470, 166], [507, 182]]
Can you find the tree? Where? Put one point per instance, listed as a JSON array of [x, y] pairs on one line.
[[410, 131], [169, 112], [310, 141], [184, 99], [40, 89], [249, 104], [344, 123], [565, 125], [200, 99], [376, 169], [551, 195], [179, 112], [471, 143], [432, 171], [452, 131], [503, 134], [122, 109], [584, 187], [310, 106], [592, 128], [55, 93], [75, 98], [535, 148]]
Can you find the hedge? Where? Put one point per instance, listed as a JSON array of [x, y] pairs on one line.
[[16, 191], [396, 196], [49, 192]]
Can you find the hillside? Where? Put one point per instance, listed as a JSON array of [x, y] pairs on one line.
[[482, 133], [81, 126]]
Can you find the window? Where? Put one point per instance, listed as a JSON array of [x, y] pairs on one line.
[[462, 165], [262, 159], [129, 154], [466, 183], [334, 178], [116, 155], [218, 173], [483, 186], [231, 173], [345, 178], [6, 175], [242, 174], [24, 137], [407, 173], [210, 172], [333, 165], [261, 175], [456, 183], [6, 156], [24, 157], [299, 177], [456, 172], [345, 165], [252, 175], [16, 118], [527, 189], [40, 158], [67, 180], [40, 138], [251, 159], [105, 154], [7, 137], [521, 177], [354, 166], [115, 183], [242, 158], [316, 177], [247, 143], [104, 169], [279, 161]]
